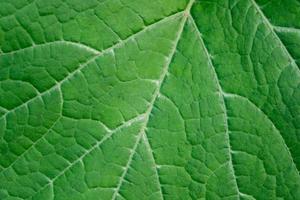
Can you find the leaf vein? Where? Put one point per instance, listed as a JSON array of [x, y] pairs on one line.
[[223, 104], [97, 144], [272, 28], [231, 95], [92, 59], [154, 97]]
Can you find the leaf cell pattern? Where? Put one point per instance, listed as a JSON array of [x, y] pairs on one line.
[[174, 99]]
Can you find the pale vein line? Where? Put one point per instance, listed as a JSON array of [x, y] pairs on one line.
[[26, 31], [287, 29], [126, 167], [273, 30], [4, 109], [221, 93], [32, 145], [149, 110], [271, 27], [107, 129], [97, 144], [174, 105], [82, 66], [38, 140], [148, 146], [57, 42], [230, 95]]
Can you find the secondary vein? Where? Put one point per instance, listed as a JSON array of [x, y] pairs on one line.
[[92, 59], [149, 110], [271, 27], [223, 105]]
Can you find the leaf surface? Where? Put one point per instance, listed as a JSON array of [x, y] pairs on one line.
[[149, 99]]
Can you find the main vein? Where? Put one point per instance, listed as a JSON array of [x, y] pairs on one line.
[[139, 118], [150, 108], [82, 66], [92, 59], [221, 92], [87, 152]]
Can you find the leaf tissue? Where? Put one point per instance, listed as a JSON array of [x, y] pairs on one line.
[[149, 99]]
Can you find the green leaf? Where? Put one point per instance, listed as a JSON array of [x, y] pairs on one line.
[[138, 99]]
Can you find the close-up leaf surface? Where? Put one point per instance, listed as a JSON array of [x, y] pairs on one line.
[[149, 100]]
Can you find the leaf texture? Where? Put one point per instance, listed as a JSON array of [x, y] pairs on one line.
[[174, 99]]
